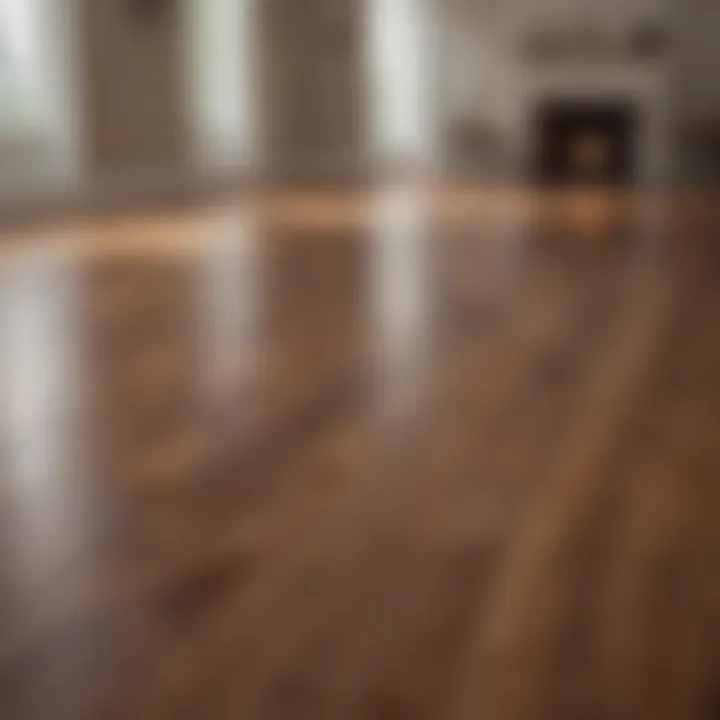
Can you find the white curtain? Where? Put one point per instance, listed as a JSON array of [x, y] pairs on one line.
[[39, 129], [20, 82], [222, 70], [401, 50]]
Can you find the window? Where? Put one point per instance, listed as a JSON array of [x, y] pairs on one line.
[[400, 49], [19, 86], [222, 68], [40, 139]]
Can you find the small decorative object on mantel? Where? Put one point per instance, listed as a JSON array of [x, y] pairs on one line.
[[648, 40], [586, 41]]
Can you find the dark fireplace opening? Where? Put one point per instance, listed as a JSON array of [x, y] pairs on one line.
[[586, 143]]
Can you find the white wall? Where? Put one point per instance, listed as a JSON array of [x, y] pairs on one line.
[[490, 83]]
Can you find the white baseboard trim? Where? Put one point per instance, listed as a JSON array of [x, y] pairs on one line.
[[51, 198]]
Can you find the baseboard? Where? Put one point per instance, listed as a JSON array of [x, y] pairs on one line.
[[50, 200]]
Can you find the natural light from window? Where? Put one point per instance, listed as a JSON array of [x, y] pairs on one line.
[[19, 72]]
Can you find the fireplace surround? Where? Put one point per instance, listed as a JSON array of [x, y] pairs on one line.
[[585, 142]]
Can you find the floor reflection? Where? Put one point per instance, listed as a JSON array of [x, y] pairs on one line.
[[306, 463], [231, 304], [402, 299], [45, 440]]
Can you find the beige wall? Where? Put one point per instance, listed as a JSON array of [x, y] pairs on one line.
[[135, 112], [134, 89], [698, 61], [310, 89]]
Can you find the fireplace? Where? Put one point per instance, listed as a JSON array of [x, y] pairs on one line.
[[585, 142]]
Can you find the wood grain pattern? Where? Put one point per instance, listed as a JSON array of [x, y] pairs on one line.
[[446, 453]]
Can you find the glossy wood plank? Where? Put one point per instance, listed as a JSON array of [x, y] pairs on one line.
[[412, 453]]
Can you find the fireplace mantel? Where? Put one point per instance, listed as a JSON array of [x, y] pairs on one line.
[[643, 85]]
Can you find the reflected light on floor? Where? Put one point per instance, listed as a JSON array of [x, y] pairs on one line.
[[44, 389], [401, 291], [231, 302]]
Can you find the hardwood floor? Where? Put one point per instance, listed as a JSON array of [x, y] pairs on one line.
[[446, 453]]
